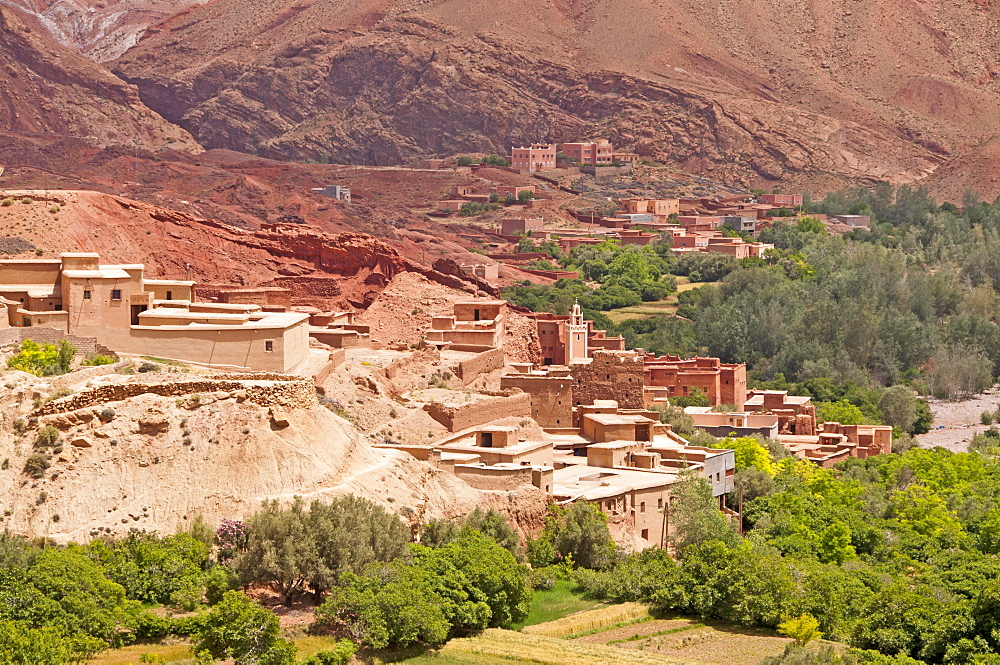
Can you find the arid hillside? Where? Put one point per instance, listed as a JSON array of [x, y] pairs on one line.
[[50, 89], [322, 269], [809, 92], [100, 29]]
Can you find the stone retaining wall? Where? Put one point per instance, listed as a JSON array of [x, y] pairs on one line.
[[297, 393]]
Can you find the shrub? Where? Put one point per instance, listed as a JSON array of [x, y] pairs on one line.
[[464, 161], [107, 413], [47, 437], [96, 359], [35, 465], [20, 426], [7, 202], [26, 201], [986, 418], [43, 359], [341, 654], [148, 367], [54, 209]]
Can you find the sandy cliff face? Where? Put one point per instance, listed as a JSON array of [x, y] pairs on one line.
[[52, 89]]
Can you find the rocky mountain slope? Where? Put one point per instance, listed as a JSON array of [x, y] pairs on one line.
[[100, 29], [814, 92], [51, 89]]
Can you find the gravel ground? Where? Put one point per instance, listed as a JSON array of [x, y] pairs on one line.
[[958, 421]]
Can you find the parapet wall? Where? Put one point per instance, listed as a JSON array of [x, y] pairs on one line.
[[505, 404], [295, 392], [493, 478], [482, 363]]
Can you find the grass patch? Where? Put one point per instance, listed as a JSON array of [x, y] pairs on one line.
[[604, 629], [688, 284], [505, 647], [595, 619], [666, 306], [172, 653], [636, 638], [163, 361], [561, 600]]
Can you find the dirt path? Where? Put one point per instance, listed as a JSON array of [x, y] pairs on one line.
[[956, 423]]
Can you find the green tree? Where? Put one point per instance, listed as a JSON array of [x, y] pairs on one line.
[[579, 531], [491, 574], [835, 544], [841, 411], [525, 195], [242, 630], [490, 523], [749, 453], [899, 404], [694, 514], [391, 604], [23, 645]]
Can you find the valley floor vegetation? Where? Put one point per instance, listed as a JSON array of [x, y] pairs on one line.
[[896, 556], [912, 301]]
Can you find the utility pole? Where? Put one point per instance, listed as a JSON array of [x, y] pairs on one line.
[[740, 502]]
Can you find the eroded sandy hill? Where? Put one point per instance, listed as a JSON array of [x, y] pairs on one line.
[[155, 462], [322, 269]]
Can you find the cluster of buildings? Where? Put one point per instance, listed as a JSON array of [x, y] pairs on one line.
[[589, 427], [121, 309], [545, 156]]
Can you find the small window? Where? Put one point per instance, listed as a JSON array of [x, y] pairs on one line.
[[116, 294], [86, 295], [269, 345], [645, 534], [170, 295], [642, 508], [659, 503]]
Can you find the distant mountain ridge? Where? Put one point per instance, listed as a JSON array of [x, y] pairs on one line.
[[812, 94]]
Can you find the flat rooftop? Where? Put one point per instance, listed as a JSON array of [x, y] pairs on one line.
[[594, 483]]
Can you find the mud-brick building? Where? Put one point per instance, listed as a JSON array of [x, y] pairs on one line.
[[128, 313], [672, 376]]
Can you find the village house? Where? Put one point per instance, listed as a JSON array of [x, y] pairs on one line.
[[335, 192], [782, 200], [796, 414], [536, 157], [476, 325], [520, 226], [129, 313], [672, 376], [593, 153]]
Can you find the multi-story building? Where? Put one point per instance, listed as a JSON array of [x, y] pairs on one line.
[[536, 157], [129, 313], [593, 153], [672, 376]]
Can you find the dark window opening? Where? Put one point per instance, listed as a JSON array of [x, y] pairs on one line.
[[116, 294], [269, 345], [170, 295], [86, 295]]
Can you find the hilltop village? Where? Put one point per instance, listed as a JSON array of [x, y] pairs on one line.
[[438, 375]]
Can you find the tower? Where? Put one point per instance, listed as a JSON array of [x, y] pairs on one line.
[[576, 336]]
